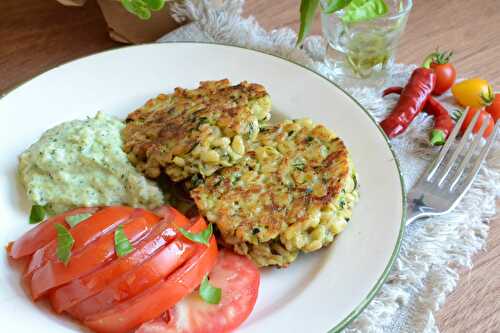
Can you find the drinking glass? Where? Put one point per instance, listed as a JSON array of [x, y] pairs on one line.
[[361, 52]]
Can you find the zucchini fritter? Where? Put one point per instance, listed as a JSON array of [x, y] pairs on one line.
[[195, 131], [292, 191]]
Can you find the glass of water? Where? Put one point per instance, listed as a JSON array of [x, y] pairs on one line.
[[361, 52]]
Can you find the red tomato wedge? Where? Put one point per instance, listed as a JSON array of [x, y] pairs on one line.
[[159, 266], [154, 301], [100, 223], [42, 234], [238, 277], [54, 273]]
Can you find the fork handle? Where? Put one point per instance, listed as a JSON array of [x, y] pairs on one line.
[[417, 209], [414, 214]]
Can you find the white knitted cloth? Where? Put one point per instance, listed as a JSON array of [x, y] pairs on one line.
[[432, 250]]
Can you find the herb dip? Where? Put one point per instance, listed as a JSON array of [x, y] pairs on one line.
[[81, 163]]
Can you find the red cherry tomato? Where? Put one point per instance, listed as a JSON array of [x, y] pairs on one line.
[[445, 77], [494, 108], [483, 116], [238, 277], [445, 72]]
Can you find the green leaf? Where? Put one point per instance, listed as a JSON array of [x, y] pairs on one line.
[[208, 293], [307, 11], [122, 244], [64, 243], [37, 214], [155, 4], [364, 10], [202, 237], [74, 220], [335, 5], [137, 7]]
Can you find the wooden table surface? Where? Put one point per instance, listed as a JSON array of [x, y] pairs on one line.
[[38, 35]]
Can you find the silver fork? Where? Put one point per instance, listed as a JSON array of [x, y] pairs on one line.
[[443, 184]]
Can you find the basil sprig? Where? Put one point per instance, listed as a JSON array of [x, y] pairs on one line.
[[65, 243], [307, 11], [74, 220], [209, 293], [354, 11], [202, 237], [122, 244], [142, 8], [364, 10], [37, 214], [335, 5]]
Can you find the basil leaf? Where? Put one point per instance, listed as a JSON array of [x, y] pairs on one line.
[[307, 11], [122, 244], [335, 5], [364, 10], [74, 220], [208, 293], [64, 243], [155, 4], [37, 214], [202, 237], [137, 7]]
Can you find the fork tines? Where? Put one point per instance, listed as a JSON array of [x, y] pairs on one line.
[[439, 171]]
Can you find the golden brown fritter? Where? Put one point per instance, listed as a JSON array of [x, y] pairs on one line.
[[195, 131], [292, 191]]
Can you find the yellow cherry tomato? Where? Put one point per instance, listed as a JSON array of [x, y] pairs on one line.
[[474, 92]]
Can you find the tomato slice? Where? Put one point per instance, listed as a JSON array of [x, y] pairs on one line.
[[42, 234], [152, 271], [80, 289], [238, 277], [85, 233], [89, 285], [55, 273], [154, 301]]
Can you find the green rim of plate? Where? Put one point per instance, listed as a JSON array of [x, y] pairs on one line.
[[368, 298]]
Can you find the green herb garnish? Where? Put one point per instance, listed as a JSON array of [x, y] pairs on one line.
[[208, 293], [202, 237], [234, 178], [122, 244], [64, 243], [74, 220], [37, 214], [196, 180], [299, 165]]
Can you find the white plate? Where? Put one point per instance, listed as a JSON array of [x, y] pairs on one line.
[[321, 291]]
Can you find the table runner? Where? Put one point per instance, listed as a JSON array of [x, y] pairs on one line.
[[432, 250]]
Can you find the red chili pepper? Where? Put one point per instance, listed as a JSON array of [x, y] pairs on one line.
[[392, 90], [412, 101], [443, 124]]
